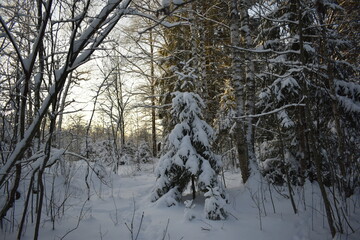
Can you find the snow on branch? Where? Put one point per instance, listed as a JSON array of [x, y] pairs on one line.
[[98, 169], [55, 155], [285, 75], [279, 20], [351, 88], [61, 74], [96, 24], [265, 50], [12, 40], [156, 20], [167, 10], [273, 111], [349, 104], [28, 63]]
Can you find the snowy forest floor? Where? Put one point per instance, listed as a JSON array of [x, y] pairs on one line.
[[118, 202]]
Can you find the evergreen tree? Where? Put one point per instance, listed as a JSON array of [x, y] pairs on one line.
[[189, 158], [143, 154], [198, 42], [309, 61]]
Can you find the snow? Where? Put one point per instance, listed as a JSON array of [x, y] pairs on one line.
[[188, 212], [20, 147], [55, 155], [214, 204], [207, 173], [177, 134], [188, 155], [349, 105], [169, 199], [126, 197], [165, 3], [309, 48], [178, 2], [286, 121]]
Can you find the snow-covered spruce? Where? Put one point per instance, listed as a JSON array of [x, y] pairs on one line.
[[188, 157], [143, 153], [188, 211], [215, 204]]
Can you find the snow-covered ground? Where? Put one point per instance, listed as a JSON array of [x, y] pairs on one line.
[[117, 205]]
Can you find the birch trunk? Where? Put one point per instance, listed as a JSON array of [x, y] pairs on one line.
[[238, 85], [250, 80]]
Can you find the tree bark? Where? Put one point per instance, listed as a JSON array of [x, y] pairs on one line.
[[152, 92], [250, 80], [238, 85]]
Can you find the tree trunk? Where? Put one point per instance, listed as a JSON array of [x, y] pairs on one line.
[[238, 85], [325, 51], [309, 123], [62, 107], [195, 85], [250, 80], [193, 187], [42, 168], [152, 92]]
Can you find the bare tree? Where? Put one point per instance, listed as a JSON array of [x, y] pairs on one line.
[[57, 54]]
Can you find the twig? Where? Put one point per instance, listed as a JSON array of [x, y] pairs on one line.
[[233, 216], [142, 217], [131, 227], [166, 229], [81, 215], [256, 200], [207, 224]]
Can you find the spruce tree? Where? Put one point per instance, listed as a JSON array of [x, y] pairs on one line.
[[188, 158]]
